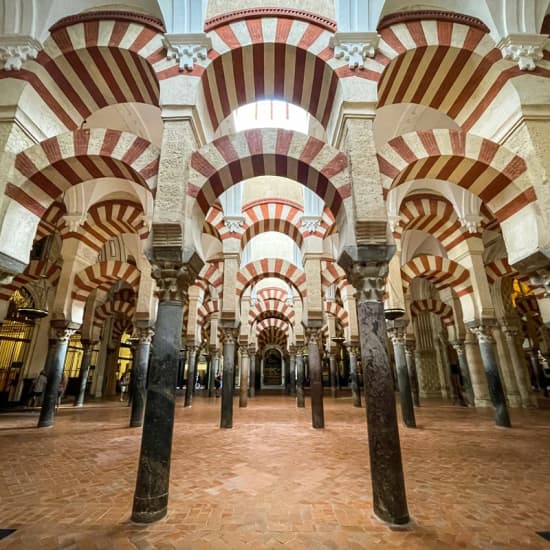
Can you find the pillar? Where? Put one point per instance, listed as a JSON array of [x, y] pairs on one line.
[[213, 370], [477, 377], [313, 333], [520, 373], [405, 394], [191, 370], [181, 368], [54, 372], [411, 367], [300, 401], [141, 362], [510, 386], [458, 346], [87, 348], [245, 374], [230, 335], [293, 371], [252, 377], [332, 370], [489, 358], [366, 268], [151, 494], [355, 390]]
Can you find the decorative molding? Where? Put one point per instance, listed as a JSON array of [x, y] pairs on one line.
[[541, 279], [354, 47], [187, 48], [255, 13], [525, 49], [233, 223], [15, 49], [453, 17], [74, 220], [140, 18], [311, 223], [471, 222]]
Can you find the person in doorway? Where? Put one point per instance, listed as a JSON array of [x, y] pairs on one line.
[[124, 381], [37, 389], [218, 384], [61, 390]]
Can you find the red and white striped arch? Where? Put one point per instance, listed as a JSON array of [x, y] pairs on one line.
[[333, 308], [433, 215], [437, 307], [275, 308], [492, 172], [107, 219], [102, 275], [45, 171], [96, 59], [36, 269], [442, 272], [271, 57], [446, 65], [271, 267], [499, 269], [270, 151], [117, 308], [207, 309], [51, 221], [272, 293], [120, 326], [272, 336], [332, 274], [211, 274]]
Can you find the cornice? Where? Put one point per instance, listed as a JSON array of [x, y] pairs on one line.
[[405, 17], [131, 17]]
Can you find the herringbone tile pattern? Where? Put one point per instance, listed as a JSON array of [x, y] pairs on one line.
[[272, 481]]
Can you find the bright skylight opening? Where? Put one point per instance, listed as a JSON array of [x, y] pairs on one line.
[[271, 113]]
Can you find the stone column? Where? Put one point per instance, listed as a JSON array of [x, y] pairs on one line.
[[355, 390], [520, 373], [151, 495], [181, 368], [332, 371], [300, 401], [475, 368], [366, 268], [230, 335], [293, 370], [313, 333], [54, 372], [510, 386], [464, 371], [405, 394], [87, 348], [245, 374], [191, 370], [252, 383], [213, 369], [141, 363], [489, 358], [537, 370], [411, 367]]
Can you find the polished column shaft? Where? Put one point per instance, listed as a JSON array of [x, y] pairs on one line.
[[87, 348], [300, 401], [464, 371], [405, 394], [230, 335], [245, 374], [191, 375], [316, 383], [141, 363], [332, 371], [293, 372], [252, 383], [413, 375], [355, 390], [520, 372]]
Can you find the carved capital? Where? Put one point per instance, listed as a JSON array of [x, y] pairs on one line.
[[541, 280], [397, 335], [173, 280], [311, 224], [312, 334], [525, 49], [354, 47], [74, 220], [484, 333], [61, 334], [187, 48], [354, 350], [233, 223], [230, 334], [145, 334], [16, 49], [458, 346], [471, 222]]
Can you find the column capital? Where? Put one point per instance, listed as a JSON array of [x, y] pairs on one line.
[[484, 333], [353, 349], [510, 330], [366, 268], [145, 334], [312, 333], [252, 351], [458, 346], [230, 334], [61, 334], [397, 335], [244, 351], [173, 280]]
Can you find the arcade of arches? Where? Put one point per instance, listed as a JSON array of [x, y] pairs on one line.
[[349, 200]]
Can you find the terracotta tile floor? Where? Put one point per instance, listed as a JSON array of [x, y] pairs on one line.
[[273, 481]]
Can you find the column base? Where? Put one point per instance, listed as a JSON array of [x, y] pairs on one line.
[[45, 424], [401, 523], [482, 403], [142, 512], [136, 424]]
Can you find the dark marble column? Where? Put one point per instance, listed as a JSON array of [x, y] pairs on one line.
[[366, 268], [300, 401], [293, 370], [54, 372], [245, 374], [151, 495], [252, 377], [332, 373], [411, 367], [403, 381], [181, 368], [230, 336], [537, 370], [313, 333], [214, 362], [489, 358], [458, 346], [191, 375], [87, 348], [520, 372], [353, 350], [141, 363]]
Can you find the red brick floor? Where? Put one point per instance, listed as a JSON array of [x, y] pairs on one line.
[[273, 481]]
